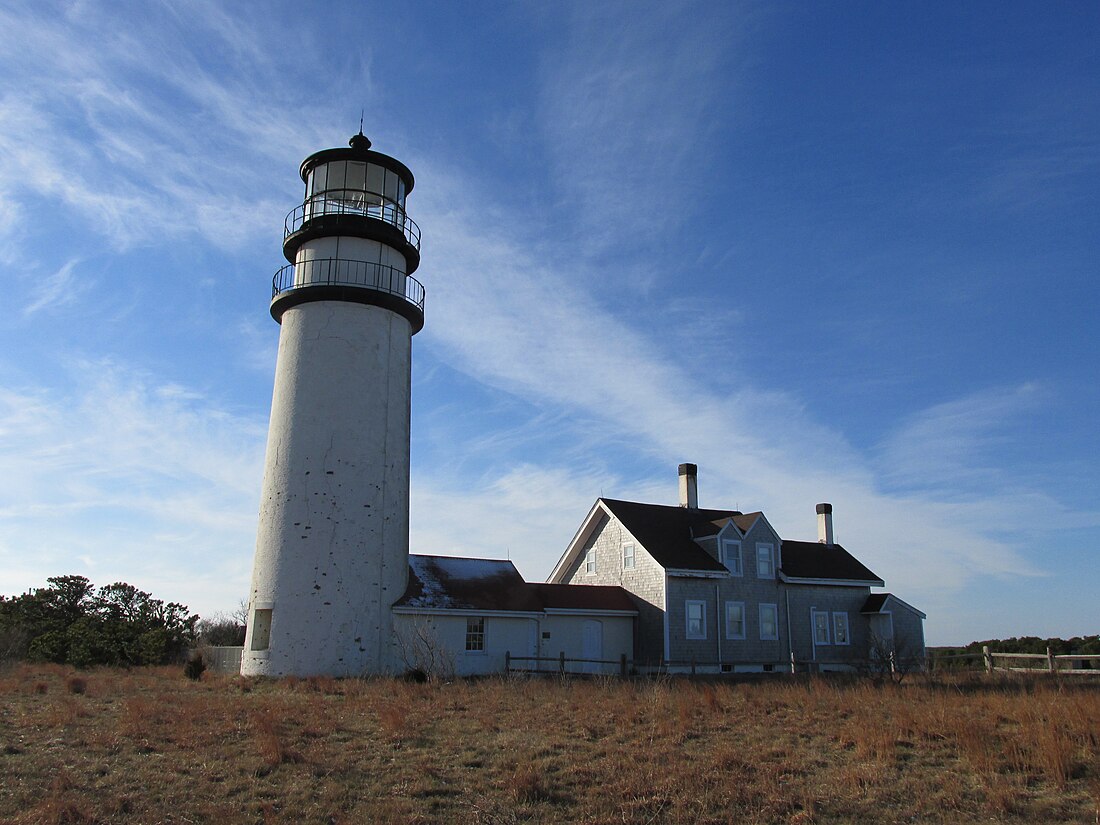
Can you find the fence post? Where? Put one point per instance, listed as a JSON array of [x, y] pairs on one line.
[[794, 668], [507, 661], [988, 658], [1050, 660], [622, 664], [692, 665], [561, 663]]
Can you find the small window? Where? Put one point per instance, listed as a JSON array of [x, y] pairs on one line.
[[731, 556], [695, 620], [765, 569], [769, 622], [840, 629], [590, 562], [735, 620], [261, 629], [821, 627], [628, 557], [475, 634]]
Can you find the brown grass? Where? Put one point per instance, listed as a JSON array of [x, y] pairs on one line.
[[149, 745]]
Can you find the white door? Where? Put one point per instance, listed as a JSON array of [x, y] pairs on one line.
[[532, 645], [592, 644]]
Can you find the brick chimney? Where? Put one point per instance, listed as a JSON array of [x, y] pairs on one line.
[[825, 524], [689, 486]]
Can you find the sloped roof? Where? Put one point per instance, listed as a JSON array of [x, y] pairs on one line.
[[813, 560], [666, 532], [583, 597], [874, 603], [452, 583]]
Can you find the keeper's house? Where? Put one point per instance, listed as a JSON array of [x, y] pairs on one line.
[[719, 590]]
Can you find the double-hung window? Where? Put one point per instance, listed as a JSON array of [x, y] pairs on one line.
[[840, 629], [695, 619], [628, 557], [735, 620], [590, 562], [821, 627], [769, 622], [765, 565], [731, 556], [475, 634]]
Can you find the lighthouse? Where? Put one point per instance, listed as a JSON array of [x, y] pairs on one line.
[[332, 545]]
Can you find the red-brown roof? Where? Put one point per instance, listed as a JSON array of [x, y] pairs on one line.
[[487, 585], [584, 597]]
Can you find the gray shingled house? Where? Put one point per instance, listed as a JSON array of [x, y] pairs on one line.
[[720, 591]]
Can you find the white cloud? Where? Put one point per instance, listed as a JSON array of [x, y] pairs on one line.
[[136, 480], [57, 290], [529, 327]]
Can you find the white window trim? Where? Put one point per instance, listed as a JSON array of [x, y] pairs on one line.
[[744, 621], [775, 622], [847, 628], [590, 562], [703, 620], [632, 557], [740, 571], [484, 637], [760, 545], [828, 638]]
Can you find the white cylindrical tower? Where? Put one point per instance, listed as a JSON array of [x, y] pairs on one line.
[[332, 547]]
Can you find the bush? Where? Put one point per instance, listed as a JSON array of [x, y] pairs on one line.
[[195, 667]]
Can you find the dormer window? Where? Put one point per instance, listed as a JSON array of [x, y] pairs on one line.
[[731, 556]]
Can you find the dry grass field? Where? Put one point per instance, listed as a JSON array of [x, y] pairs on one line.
[[150, 746]]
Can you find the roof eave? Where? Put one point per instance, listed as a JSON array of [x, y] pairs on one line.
[[839, 582], [698, 574], [580, 611], [466, 611]]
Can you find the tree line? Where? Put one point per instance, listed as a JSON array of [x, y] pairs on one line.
[[1077, 645], [70, 621]]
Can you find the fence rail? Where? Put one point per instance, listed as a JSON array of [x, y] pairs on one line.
[[1049, 662], [561, 661]]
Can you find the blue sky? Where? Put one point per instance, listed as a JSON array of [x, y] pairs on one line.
[[828, 252]]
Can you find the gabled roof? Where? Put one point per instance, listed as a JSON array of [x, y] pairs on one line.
[[494, 585], [666, 532], [813, 560]]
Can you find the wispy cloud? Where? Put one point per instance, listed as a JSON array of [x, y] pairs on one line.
[[138, 135], [149, 482], [528, 326], [57, 290]]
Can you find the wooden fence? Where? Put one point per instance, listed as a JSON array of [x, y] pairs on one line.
[[560, 664], [1049, 662]]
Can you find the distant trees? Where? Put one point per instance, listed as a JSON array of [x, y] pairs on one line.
[[224, 629], [69, 621]]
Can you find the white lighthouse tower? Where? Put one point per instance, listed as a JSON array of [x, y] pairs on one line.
[[332, 546]]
